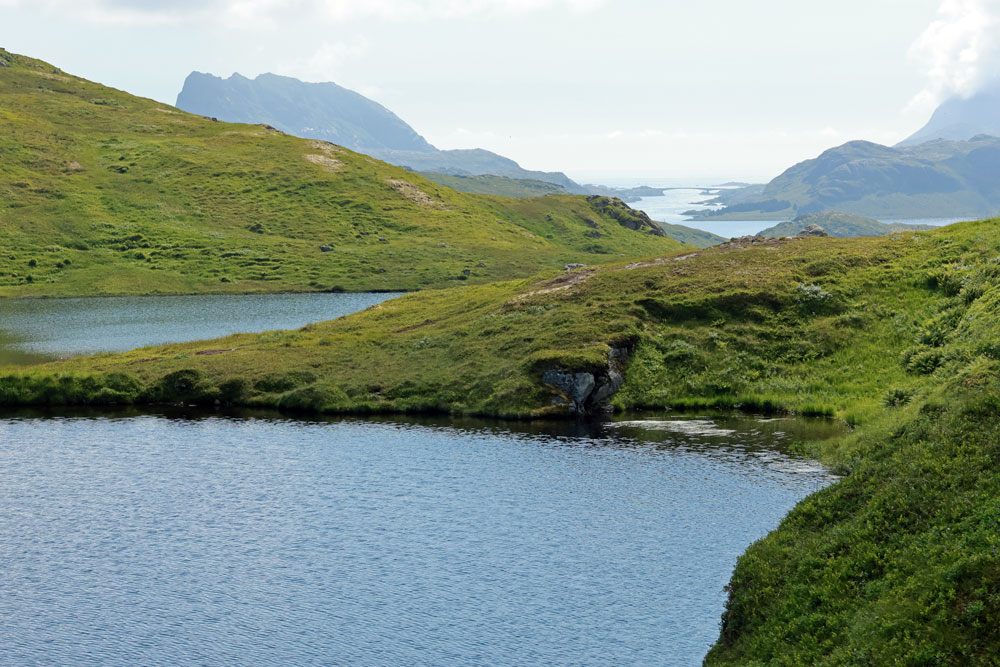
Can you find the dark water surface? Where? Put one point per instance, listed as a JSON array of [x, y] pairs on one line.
[[256, 539], [34, 330]]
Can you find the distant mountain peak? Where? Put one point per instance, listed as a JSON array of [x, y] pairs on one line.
[[330, 112], [323, 111], [962, 118]]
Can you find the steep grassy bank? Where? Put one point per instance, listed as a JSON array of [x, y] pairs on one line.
[[897, 563], [102, 192]]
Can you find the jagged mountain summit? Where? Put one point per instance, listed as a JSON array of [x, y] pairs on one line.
[[962, 118], [323, 111], [333, 113]]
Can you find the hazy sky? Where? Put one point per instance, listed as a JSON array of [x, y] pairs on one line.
[[681, 91]]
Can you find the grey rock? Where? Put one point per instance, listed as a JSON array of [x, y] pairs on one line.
[[577, 387], [586, 393], [571, 267], [608, 388], [4, 63], [466, 272], [812, 230], [325, 248], [594, 234]]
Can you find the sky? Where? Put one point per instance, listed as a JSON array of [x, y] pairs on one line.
[[608, 91]]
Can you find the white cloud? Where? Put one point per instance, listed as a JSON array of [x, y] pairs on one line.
[[325, 62], [960, 51], [259, 13]]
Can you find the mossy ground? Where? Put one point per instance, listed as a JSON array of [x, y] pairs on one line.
[[897, 563], [105, 193]]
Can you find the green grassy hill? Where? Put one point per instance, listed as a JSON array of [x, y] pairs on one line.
[[898, 563], [488, 184], [935, 179], [102, 192], [690, 235], [843, 225]]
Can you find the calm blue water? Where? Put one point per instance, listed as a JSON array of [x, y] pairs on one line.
[[673, 203], [147, 539], [34, 330]]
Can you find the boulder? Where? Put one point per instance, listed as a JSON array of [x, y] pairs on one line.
[[812, 230], [325, 248], [573, 267], [586, 393]]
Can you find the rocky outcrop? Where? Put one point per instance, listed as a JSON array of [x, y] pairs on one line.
[[625, 215], [812, 229], [584, 393]]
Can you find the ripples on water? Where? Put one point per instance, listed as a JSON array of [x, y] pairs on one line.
[[34, 330], [156, 540]]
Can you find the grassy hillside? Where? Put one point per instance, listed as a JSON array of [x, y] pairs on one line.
[[897, 563], [488, 184], [102, 192], [843, 225], [696, 237], [935, 179], [806, 325]]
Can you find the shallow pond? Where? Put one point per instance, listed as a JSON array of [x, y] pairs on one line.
[[34, 330], [177, 538]]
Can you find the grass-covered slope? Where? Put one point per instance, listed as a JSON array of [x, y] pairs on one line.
[[690, 235], [935, 179], [843, 225], [488, 184], [102, 192], [807, 325], [897, 563]]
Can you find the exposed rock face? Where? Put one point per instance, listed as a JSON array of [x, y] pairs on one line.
[[812, 230], [587, 393], [573, 267]]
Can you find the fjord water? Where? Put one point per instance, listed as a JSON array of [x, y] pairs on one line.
[[257, 539], [671, 205], [33, 330]]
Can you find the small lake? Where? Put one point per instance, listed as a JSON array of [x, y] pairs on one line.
[[674, 202], [35, 330], [180, 538]]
